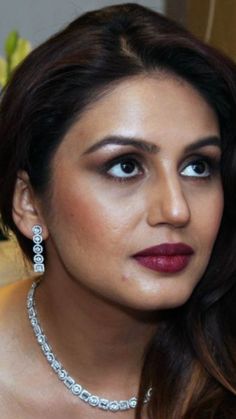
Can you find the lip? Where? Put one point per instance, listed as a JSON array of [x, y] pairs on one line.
[[166, 257]]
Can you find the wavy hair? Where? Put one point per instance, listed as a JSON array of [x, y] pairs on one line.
[[191, 362]]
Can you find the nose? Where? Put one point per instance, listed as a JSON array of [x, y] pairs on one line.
[[168, 204]]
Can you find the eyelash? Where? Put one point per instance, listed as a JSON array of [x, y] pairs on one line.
[[213, 165], [127, 158]]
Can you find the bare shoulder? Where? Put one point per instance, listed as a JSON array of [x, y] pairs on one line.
[[15, 334], [22, 367], [12, 330], [13, 323], [13, 405], [9, 406]]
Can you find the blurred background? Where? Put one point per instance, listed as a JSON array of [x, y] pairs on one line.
[[214, 21]]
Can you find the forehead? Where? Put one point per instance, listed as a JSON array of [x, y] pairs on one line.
[[155, 108]]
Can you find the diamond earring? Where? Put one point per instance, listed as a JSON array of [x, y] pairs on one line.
[[38, 249]]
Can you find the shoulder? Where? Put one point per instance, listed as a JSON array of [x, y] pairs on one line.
[[13, 328], [9, 406], [15, 351]]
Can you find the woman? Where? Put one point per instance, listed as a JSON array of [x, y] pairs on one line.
[[117, 177]]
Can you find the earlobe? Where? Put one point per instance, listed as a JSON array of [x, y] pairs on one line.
[[25, 211]]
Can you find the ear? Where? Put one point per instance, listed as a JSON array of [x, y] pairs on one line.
[[26, 210]]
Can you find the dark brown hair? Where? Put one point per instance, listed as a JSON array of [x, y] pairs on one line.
[[191, 362]]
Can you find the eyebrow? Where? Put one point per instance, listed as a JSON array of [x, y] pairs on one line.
[[148, 146], [120, 140], [204, 142]]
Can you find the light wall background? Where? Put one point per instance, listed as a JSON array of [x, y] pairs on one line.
[[36, 20]]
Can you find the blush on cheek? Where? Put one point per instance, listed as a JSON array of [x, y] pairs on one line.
[[87, 217]]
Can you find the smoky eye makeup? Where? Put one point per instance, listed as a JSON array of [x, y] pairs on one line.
[[201, 166], [124, 167], [131, 166]]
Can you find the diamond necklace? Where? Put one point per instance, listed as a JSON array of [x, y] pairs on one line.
[[75, 388]]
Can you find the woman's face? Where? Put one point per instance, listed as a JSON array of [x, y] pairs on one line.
[[139, 169]]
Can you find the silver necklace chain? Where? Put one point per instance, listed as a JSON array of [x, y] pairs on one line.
[[75, 388]]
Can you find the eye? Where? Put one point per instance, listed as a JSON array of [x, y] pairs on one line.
[[200, 168], [124, 168]]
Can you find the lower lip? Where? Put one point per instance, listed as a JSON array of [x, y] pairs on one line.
[[164, 263]]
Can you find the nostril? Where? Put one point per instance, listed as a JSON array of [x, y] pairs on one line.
[[176, 210], [169, 207]]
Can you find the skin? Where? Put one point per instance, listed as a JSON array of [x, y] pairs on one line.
[[99, 306]]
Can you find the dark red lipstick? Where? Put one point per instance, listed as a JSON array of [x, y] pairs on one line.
[[166, 257]]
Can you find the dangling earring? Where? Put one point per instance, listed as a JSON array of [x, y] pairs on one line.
[[38, 249]]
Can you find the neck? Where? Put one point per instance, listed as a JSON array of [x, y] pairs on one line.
[[96, 340]]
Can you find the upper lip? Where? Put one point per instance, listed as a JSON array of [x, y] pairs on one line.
[[167, 249]]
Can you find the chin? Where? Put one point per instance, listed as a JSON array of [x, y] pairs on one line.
[[163, 301]]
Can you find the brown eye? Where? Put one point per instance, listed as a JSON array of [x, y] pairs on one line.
[[197, 168], [128, 167], [125, 169]]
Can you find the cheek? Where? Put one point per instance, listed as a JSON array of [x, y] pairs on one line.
[[94, 215], [208, 216]]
